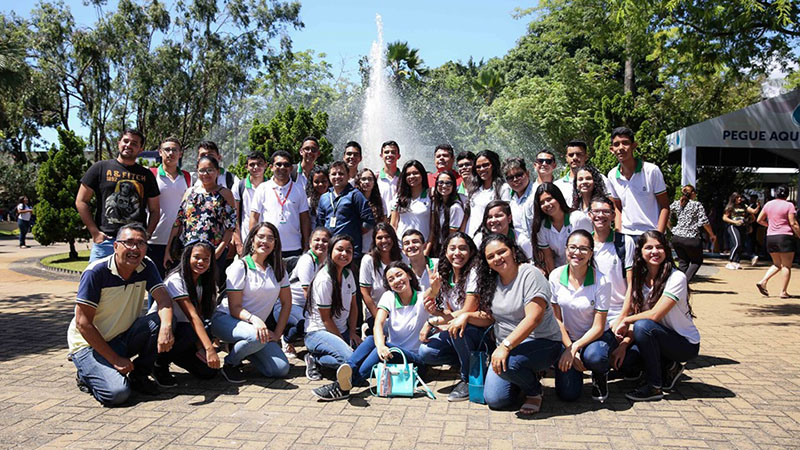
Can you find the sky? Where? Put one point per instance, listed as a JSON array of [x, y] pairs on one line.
[[442, 30]]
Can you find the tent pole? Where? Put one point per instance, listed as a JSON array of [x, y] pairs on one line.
[[689, 166]]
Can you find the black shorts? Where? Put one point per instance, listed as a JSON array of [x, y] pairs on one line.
[[780, 243]]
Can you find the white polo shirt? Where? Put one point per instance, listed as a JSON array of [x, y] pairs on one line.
[[322, 294], [678, 318], [388, 188], [282, 206], [606, 258], [404, 322], [307, 266], [638, 196], [578, 306], [260, 288], [169, 201], [424, 279], [248, 194], [456, 217], [556, 240], [416, 217], [522, 209], [369, 278], [477, 204], [452, 300], [177, 290]]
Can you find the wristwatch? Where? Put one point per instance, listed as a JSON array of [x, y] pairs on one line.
[[507, 344]]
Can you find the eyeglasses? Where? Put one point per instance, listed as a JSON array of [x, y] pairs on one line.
[[579, 249], [601, 212], [464, 165], [282, 164], [515, 176], [133, 244], [444, 183], [206, 171], [545, 160]]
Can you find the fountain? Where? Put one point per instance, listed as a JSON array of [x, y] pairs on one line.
[[383, 117]]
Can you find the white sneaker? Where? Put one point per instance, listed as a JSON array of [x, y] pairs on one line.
[[288, 349], [754, 260], [730, 266], [737, 266]]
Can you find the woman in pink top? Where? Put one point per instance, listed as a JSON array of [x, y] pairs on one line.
[[779, 217]]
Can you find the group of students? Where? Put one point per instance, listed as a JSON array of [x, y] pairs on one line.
[[434, 264]]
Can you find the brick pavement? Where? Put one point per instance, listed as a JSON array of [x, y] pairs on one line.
[[740, 393]]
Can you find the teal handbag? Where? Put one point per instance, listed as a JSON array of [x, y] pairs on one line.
[[397, 380]]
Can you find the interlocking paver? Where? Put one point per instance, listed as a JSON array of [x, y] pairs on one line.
[[739, 394]]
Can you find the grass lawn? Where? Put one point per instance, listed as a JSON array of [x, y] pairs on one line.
[[14, 232], [62, 261]]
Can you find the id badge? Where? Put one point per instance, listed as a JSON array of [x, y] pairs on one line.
[[333, 221], [283, 219]]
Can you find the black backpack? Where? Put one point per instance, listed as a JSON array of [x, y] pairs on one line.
[[619, 246]]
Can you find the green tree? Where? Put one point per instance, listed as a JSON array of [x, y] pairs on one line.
[[16, 179], [57, 184], [285, 131], [404, 61]]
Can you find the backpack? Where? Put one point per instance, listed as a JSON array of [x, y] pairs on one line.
[[241, 201], [228, 180], [186, 176], [619, 246]]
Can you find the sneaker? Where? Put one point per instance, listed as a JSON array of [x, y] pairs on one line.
[[331, 392], [645, 393], [233, 373], [672, 374], [730, 266], [459, 393], [142, 384], [344, 376], [754, 260], [600, 387], [81, 385], [288, 349], [163, 378], [737, 266], [312, 369]]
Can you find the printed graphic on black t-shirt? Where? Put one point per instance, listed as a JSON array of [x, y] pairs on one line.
[[121, 192]]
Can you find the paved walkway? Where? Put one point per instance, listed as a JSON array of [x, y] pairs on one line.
[[742, 392]]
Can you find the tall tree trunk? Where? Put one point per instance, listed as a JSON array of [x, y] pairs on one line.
[[73, 253], [629, 65]]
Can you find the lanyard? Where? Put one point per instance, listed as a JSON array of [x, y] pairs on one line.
[[283, 202], [334, 204]]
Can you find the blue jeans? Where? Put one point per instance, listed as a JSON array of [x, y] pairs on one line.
[[658, 346], [106, 384], [268, 358], [102, 249], [366, 356], [331, 350], [24, 226], [295, 326], [595, 357], [521, 375], [445, 349]]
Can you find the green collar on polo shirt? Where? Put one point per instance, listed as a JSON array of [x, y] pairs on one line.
[[161, 171], [250, 263], [247, 183], [314, 257], [566, 175], [450, 281], [382, 173], [587, 281], [548, 224], [637, 169], [609, 238], [398, 304], [430, 262]]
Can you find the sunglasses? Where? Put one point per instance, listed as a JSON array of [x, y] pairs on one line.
[[515, 176], [545, 160]]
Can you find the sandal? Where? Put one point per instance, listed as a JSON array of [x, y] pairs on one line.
[[531, 406], [762, 289], [786, 296]]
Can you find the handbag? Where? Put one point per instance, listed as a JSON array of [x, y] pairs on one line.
[[397, 380], [478, 365]]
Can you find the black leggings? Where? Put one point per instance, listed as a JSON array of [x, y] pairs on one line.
[[737, 236], [690, 255]]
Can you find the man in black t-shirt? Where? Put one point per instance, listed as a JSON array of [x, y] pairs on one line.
[[125, 192]]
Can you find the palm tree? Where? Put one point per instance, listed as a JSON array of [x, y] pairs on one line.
[[488, 85], [404, 61]]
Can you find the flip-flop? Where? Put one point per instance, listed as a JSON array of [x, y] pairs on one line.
[[531, 406], [786, 296], [762, 289]]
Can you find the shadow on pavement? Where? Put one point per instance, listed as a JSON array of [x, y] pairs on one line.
[[780, 309], [40, 328], [709, 361]]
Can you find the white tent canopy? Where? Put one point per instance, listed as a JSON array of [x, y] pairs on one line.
[[766, 134]]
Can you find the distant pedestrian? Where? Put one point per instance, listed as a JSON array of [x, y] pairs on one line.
[[779, 216], [24, 211], [691, 217]]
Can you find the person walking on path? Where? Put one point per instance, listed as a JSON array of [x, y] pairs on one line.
[[691, 216], [24, 211], [779, 217]]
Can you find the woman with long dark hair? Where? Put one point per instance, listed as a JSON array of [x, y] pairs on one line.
[[553, 222], [192, 286], [779, 216], [412, 210], [497, 219], [367, 184], [486, 184], [735, 215], [319, 185], [516, 296], [331, 330], [385, 249], [447, 212], [445, 300], [402, 313], [588, 183], [691, 216], [254, 283], [663, 329], [581, 296]]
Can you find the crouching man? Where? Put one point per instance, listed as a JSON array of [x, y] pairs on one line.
[[108, 328]]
